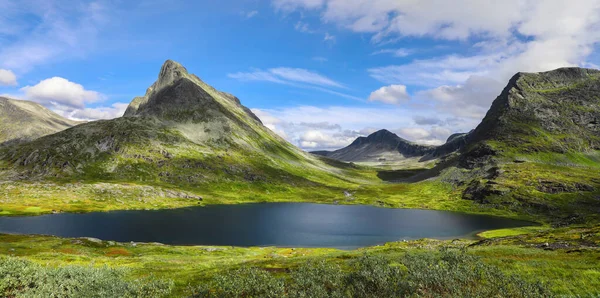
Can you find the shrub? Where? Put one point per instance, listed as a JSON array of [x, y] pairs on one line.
[[21, 278], [447, 273]]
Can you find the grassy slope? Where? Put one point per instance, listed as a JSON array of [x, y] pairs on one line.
[[570, 269]]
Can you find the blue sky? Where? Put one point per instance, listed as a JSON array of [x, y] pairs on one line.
[[318, 72]]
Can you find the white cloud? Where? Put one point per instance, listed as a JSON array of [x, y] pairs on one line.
[[304, 76], [290, 5], [114, 111], [452, 69], [303, 27], [251, 14], [311, 128], [7, 78], [393, 94], [471, 99], [506, 37], [394, 52], [433, 136], [60, 91], [318, 139], [329, 38], [286, 75], [296, 77]]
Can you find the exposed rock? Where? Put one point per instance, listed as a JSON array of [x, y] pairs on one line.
[[479, 191], [554, 187]]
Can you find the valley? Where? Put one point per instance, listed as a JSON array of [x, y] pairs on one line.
[[185, 144]]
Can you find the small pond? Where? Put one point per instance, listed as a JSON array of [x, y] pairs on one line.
[[264, 224]]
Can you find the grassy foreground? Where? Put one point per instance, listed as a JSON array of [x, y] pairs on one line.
[[543, 262]]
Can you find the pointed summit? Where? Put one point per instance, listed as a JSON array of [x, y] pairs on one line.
[[182, 97], [170, 72]]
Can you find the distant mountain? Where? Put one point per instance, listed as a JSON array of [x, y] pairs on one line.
[[182, 131], [382, 145], [23, 121]]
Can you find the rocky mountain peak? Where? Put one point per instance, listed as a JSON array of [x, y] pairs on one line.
[[170, 72], [181, 97]]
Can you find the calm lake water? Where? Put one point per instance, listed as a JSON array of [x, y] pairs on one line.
[[276, 224]]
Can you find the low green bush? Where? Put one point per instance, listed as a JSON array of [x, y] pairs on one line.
[[21, 278], [447, 273]]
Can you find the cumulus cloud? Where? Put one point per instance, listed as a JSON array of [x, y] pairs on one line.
[[7, 78], [471, 99], [330, 128], [432, 136], [506, 37], [114, 111], [60, 91], [393, 94]]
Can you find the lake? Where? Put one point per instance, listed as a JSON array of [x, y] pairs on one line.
[[263, 224]]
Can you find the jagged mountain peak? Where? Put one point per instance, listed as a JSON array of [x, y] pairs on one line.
[[170, 72], [183, 97]]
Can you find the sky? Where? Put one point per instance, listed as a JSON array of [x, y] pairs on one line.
[[318, 72]]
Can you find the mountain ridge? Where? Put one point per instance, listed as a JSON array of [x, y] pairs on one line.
[[22, 121]]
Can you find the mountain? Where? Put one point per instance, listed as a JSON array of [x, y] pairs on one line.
[[182, 133], [22, 121], [379, 146], [556, 111], [538, 147]]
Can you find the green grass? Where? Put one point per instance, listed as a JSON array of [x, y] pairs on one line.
[[510, 232], [568, 270]]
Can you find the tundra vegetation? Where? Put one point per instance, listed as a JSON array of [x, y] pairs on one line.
[[535, 156]]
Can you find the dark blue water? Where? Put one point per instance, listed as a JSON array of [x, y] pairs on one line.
[[271, 224]]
